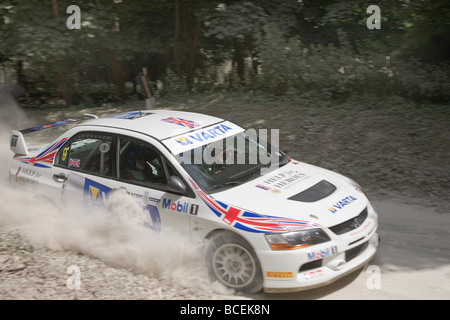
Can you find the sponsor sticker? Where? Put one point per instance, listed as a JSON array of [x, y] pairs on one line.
[[14, 140], [363, 229], [279, 275], [341, 204], [194, 209], [201, 136], [284, 180], [313, 274], [28, 176], [182, 122], [320, 254], [179, 206], [74, 163], [95, 193], [104, 147]]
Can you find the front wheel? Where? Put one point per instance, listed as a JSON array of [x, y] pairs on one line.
[[232, 261]]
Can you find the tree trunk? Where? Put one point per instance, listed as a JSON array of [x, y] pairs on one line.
[[239, 60], [64, 85], [118, 77], [117, 71], [55, 8], [176, 34], [193, 42], [63, 78]]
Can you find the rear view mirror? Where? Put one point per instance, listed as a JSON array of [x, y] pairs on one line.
[[176, 185]]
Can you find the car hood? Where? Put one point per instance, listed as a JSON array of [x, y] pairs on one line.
[[298, 191]]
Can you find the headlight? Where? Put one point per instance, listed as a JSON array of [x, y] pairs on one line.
[[296, 239]]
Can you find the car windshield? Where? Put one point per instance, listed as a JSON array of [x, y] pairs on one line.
[[231, 161]]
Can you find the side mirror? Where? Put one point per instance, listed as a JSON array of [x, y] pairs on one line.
[[176, 185]]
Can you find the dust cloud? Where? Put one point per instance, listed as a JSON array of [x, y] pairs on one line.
[[116, 235]]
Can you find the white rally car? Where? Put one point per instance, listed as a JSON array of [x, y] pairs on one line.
[[270, 222]]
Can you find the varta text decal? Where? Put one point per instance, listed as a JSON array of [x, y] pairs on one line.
[[341, 204], [204, 135], [201, 136]]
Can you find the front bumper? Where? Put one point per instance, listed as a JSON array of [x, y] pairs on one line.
[[303, 269]]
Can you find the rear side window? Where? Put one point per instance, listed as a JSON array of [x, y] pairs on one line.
[[87, 152]]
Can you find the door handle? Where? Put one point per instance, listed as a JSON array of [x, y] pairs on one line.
[[60, 178]]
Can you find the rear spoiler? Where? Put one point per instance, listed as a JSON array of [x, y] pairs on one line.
[[17, 141]]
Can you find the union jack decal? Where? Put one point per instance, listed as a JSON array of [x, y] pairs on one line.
[[249, 221], [182, 122], [74, 163], [45, 158]]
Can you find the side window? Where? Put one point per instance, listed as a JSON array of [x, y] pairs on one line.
[[87, 152], [140, 163]]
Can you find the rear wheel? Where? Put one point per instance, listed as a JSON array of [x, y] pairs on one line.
[[233, 262]]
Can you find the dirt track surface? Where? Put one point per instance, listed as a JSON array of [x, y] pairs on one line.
[[401, 162], [413, 261]]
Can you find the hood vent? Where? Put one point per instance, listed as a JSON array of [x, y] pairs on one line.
[[318, 191]]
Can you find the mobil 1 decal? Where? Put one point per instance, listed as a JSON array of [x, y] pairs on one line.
[[179, 206]]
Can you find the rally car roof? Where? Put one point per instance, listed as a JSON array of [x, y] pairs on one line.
[[178, 130], [160, 124]]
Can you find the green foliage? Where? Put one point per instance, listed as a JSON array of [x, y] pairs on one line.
[[423, 82], [282, 47], [174, 83], [235, 21], [281, 62], [288, 66], [427, 35]]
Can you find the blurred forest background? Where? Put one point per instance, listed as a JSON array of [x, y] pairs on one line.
[[372, 104], [278, 47]]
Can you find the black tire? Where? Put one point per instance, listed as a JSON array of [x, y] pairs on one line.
[[233, 262]]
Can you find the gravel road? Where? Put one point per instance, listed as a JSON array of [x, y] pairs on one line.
[[46, 253], [413, 261]]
